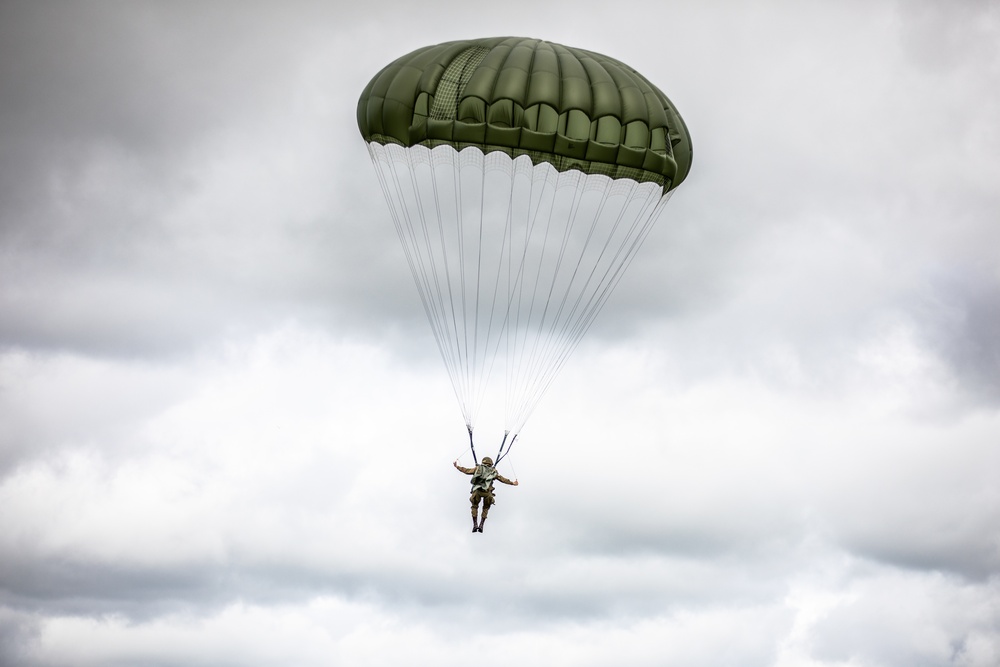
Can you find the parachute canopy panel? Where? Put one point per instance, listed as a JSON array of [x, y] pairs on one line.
[[571, 108]]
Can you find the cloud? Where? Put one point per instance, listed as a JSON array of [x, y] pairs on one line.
[[895, 618], [158, 201], [225, 434], [960, 318]]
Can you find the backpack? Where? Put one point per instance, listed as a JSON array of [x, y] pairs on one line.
[[483, 477]]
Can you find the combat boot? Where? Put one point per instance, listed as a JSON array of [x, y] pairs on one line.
[[475, 525], [481, 523]]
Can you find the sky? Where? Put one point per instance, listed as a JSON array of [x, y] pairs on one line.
[[226, 434]]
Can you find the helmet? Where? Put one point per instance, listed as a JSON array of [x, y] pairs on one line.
[[487, 461]]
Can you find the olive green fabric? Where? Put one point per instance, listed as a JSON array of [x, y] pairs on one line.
[[572, 108], [487, 498]]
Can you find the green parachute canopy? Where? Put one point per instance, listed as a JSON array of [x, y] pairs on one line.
[[522, 178], [568, 107]]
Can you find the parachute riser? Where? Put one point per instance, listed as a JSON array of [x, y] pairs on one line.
[[472, 446], [501, 454]]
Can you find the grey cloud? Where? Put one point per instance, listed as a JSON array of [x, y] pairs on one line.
[[57, 587], [18, 630], [943, 37], [971, 556], [143, 214], [959, 313], [551, 584], [897, 620], [140, 75]]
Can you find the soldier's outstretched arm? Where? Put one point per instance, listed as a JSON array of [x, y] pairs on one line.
[[501, 478], [467, 471]]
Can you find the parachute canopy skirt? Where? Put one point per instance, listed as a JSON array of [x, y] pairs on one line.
[[522, 177]]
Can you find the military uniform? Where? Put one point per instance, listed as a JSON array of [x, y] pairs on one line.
[[483, 476]]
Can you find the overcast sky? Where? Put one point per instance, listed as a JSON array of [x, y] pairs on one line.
[[226, 434]]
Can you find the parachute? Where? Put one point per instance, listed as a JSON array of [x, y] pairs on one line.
[[522, 177]]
